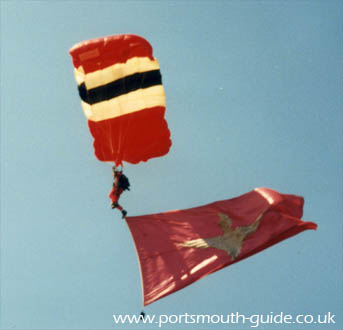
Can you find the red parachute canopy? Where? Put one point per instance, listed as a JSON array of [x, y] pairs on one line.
[[120, 85]]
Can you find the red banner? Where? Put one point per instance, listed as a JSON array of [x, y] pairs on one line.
[[179, 247]]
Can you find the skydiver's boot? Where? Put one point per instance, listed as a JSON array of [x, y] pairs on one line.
[[123, 212]]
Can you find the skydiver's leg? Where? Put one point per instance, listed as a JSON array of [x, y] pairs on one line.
[[114, 198], [119, 207], [115, 205], [123, 212]]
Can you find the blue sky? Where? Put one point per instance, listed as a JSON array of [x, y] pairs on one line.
[[254, 98]]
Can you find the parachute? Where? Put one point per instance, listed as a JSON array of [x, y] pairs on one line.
[[120, 85]]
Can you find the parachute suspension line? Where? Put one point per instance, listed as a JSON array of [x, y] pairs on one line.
[[109, 137], [128, 124], [119, 151], [125, 133], [122, 130]]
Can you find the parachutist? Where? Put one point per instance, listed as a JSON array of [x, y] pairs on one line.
[[121, 183], [142, 315]]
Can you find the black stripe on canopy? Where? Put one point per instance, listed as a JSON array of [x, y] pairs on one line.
[[119, 87]]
